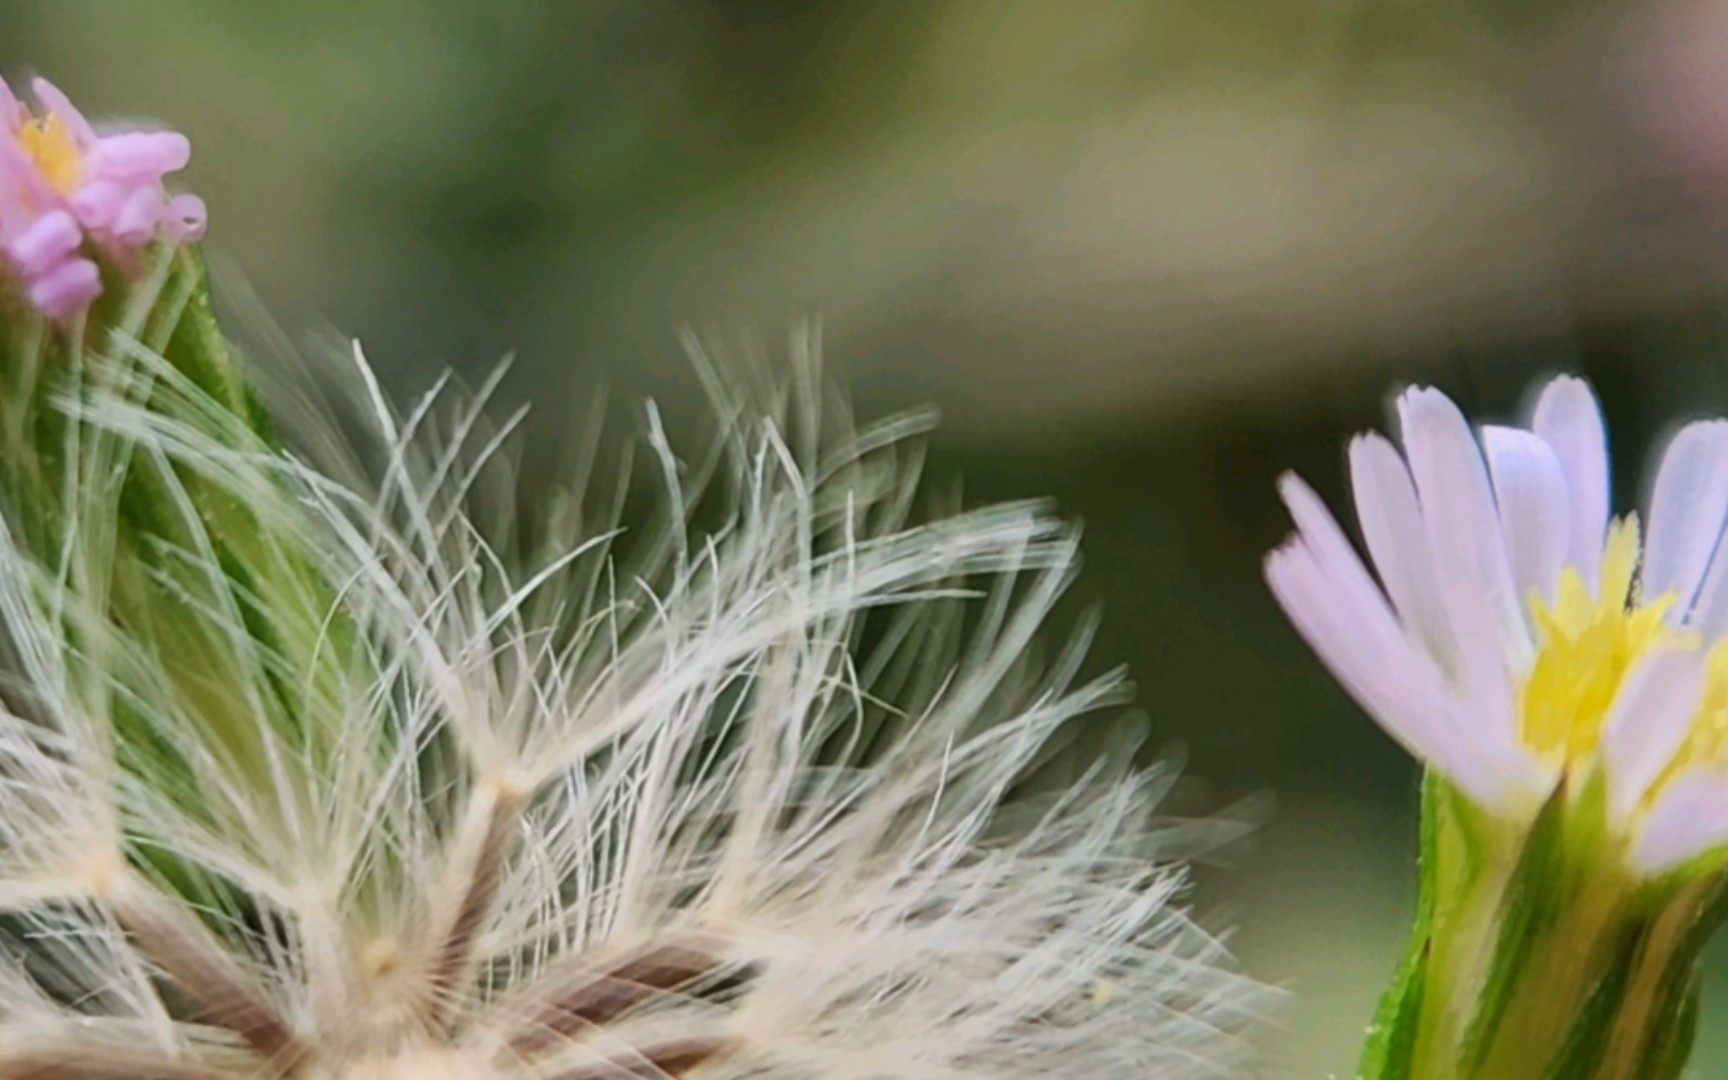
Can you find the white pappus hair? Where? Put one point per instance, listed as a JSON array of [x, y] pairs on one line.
[[393, 793]]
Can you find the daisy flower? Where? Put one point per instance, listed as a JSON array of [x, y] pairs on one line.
[[69, 193], [1562, 673], [1513, 632], [325, 769]]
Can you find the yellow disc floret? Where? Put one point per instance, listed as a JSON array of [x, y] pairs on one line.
[[50, 146], [1586, 646]]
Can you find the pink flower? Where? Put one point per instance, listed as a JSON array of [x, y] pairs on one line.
[[62, 184]]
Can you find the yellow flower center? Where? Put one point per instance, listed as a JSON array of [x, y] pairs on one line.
[[51, 147], [1587, 644]]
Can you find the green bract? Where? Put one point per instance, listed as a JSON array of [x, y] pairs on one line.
[[1537, 956], [155, 539]]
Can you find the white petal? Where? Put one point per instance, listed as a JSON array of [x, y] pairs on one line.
[[1397, 539], [1469, 549], [1333, 603], [1650, 718], [1530, 490], [1689, 818], [1346, 578], [1686, 512], [1709, 612], [1569, 420]]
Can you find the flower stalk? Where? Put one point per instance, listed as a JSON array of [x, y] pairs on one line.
[[1533, 956]]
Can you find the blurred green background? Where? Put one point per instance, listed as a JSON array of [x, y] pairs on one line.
[[1143, 255]]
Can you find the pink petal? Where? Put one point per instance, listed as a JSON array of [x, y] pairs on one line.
[[23, 193], [139, 215], [140, 157], [185, 219], [67, 289], [61, 107], [99, 202], [11, 111], [45, 244]]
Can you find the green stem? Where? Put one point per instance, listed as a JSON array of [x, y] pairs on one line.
[[1537, 956]]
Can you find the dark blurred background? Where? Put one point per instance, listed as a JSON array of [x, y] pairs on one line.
[[1144, 254]]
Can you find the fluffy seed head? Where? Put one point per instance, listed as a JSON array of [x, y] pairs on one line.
[[392, 791]]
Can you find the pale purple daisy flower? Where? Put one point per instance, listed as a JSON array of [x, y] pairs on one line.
[[1512, 634]]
